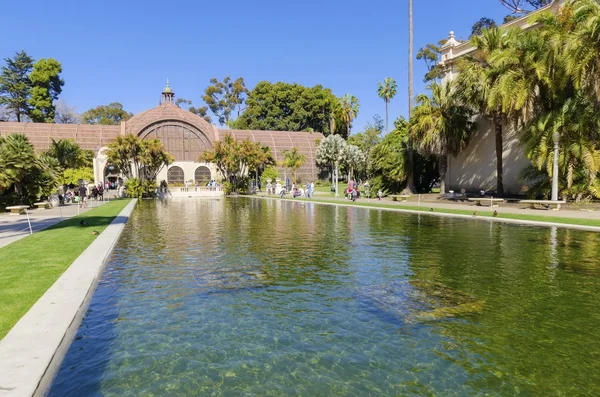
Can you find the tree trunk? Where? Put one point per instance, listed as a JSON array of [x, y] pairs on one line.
[[499, 150], [443, 167], [410, 183], [387, 126]]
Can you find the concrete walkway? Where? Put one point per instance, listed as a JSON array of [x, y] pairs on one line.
[[13, 228], [31, 353], [428, 201]]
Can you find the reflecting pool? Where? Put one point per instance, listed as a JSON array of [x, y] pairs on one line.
[[251, 297]]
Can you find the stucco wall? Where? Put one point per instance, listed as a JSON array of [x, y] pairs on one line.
[[475, 168]]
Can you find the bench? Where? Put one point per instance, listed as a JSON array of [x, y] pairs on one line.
[[17, 209], [42, 205], [402, 197], [549, 204], [481, 201]]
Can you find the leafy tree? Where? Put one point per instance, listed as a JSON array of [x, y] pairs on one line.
[[386, 91], [111, 114], [331, 152], [235, 159], [483, 23], [46, 85], [441, 126], [65, 114], [431, 54], [389, 161], [368, 138], [293, 159], [24, 176], [15, 86], [349, 108], [290, 107], [354, 159], [226, 97], [187, 104]]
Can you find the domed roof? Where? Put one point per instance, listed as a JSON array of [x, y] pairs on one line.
[[167, 89], [169, 112]]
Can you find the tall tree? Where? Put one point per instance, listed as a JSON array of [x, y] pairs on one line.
[[293, 160], [349, 110], [354, 159], [411, 171], [226, 97], [46, 85], [291, 107], [331, 152], [15, 86], [201, 111], [386, 91], [368, 138], [478, 77], [430, 54], [441, 126], [111, 114], [388, 162]]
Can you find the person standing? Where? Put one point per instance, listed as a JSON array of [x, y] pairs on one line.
[[82, 195]]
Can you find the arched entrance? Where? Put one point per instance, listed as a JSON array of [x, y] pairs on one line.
[[202, 175], [175, 176]]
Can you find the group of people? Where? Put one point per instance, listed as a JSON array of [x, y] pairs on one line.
[[352, 192], [296, 191]]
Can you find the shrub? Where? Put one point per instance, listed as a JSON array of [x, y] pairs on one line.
[[136, 188]]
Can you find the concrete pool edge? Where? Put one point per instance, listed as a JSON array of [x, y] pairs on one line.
[[522, 222], [32, 351]]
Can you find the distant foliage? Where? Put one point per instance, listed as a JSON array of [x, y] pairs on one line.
[[291, 107], [46, 85], [226, 98], [111, 114]]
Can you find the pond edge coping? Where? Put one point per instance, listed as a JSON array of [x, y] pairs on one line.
[[32, 351], [448, 215]]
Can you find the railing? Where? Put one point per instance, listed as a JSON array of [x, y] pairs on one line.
[[190, 189]]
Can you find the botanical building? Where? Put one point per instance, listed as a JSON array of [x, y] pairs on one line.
[[185, 135]]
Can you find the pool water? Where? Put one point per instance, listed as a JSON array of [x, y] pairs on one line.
[[251, 297]]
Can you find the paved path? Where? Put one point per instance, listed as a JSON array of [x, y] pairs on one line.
[[428, 202], [13, 228]]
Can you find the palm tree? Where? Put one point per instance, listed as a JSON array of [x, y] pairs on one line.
[[441, 125], [349, 110], [386, 91], [66, 151], [478, 78], [293, 159], [410, 176]]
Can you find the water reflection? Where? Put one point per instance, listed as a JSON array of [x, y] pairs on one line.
[[266, 297]]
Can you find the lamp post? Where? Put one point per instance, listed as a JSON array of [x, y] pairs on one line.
[[556, 138]]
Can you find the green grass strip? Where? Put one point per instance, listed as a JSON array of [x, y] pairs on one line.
[[480, 212], [31, 265]]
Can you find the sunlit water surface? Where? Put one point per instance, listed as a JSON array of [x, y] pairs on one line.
[[250, 297]]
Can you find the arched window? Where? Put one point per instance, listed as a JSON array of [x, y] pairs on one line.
[[175, 176], [202, 175]]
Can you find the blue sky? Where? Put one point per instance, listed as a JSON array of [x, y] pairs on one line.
[[124, 50]]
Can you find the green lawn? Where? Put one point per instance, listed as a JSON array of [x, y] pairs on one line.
[[31, 265], [480, 213]]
